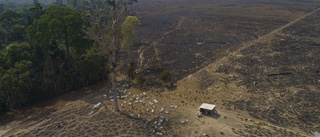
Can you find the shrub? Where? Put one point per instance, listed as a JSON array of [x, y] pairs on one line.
[[130, 72], [165, 76], [139, 80]]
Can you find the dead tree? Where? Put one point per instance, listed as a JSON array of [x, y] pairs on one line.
[[105, 29]]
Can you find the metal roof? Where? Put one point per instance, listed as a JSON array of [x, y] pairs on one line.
[[207, 106]]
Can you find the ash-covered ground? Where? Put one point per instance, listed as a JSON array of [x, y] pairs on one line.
[[183, 36], [282, 73]]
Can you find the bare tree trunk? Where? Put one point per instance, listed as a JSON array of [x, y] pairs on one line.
[[114, 81], [67, 45], [53, 79], [112, 44], [113, 55], [68, 55], [68, 61], [129, 63], [129, 60], [9, 100]]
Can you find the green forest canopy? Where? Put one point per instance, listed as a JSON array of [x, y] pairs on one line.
[[44, 51]]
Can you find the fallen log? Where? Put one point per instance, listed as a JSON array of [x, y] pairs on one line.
[[286, 73]]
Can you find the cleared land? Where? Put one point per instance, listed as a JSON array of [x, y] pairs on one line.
[[258, 61]]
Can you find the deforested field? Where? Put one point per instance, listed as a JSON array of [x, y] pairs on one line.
[[257, 60]]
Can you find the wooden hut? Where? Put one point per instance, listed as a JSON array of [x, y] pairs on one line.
[[207, 109]]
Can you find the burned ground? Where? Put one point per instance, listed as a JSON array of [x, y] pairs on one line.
[[184, 36], [281, 73], [284, 74]]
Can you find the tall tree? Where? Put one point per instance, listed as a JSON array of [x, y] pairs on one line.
[[36, 13], [8, 20], [16, 52], [17, 84], [58, 26], [116, 18], [106, 29], [61, 24], [129, 37], [16, 74]]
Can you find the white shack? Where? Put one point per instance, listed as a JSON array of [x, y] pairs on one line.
[[207, 109]]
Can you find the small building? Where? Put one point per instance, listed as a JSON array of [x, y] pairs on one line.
[[207, 109]]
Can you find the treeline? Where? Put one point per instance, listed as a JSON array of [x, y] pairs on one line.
[[45, 52]]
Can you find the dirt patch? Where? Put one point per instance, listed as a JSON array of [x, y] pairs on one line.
[[40, 110]]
